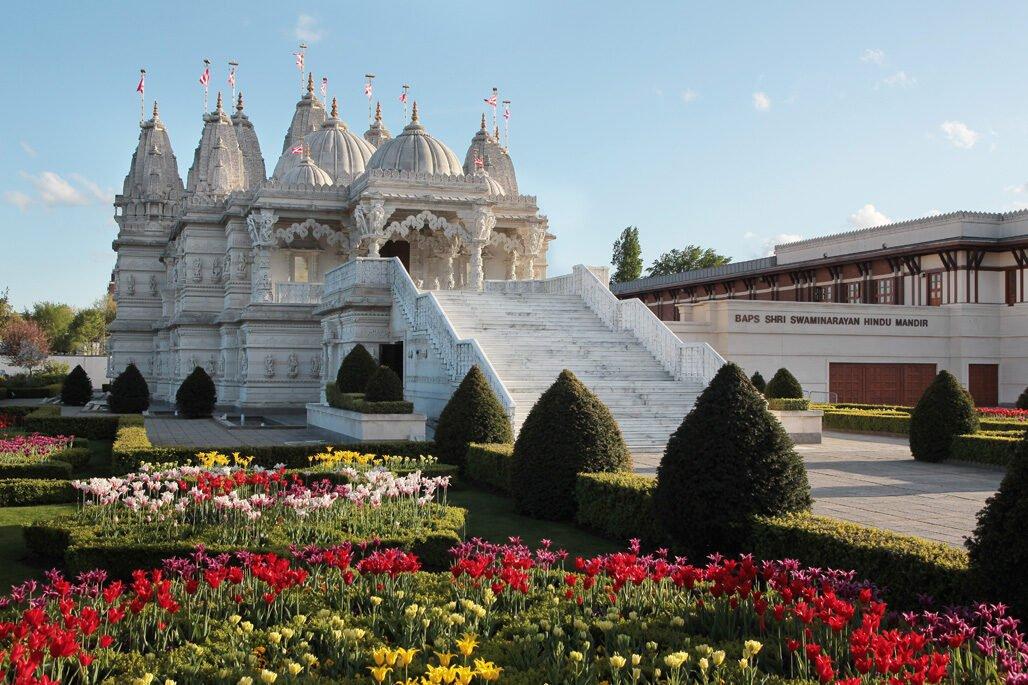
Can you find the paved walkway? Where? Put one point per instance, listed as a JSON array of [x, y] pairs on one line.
[[873, 480], [210, 433]]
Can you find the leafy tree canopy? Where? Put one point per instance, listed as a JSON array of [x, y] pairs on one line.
[[689, 258], [55, 320], [627, 260]]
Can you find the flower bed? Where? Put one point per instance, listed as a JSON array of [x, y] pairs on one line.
[[1004, 413], [33, 446], [502, 613]]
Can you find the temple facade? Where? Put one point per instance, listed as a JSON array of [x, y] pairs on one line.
[[226, 271]]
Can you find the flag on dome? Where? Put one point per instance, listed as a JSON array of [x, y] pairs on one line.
[[296, 150], [299, 60], [491, 100], [324, 86], [506, 110], [367, 89], [479, 162], [403, 97], [205, 77], [232, 77], [142, 81]]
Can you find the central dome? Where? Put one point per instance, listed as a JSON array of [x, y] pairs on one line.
[[338, 150], [416, 150]]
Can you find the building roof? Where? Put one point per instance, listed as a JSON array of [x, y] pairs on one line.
[[417, 151], [695, 276], [336, 149]]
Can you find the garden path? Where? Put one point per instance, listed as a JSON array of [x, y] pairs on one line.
[[872, 480], [210, 433]]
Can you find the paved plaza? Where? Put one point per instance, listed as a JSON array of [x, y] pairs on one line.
[[210, 433], [873, 480]]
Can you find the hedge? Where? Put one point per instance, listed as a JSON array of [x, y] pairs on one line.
[[17, 412], [48, 421], [987, 447], [76, 457], [34, 393], [22, 492], [895, 421], [35, 468], [618, 506], [78, 548], [905, 567], [354, 401], [788, 404], [869, 407], [490, 465]]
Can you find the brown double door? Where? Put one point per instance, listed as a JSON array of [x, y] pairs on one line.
[[900, 384], [983, 384]]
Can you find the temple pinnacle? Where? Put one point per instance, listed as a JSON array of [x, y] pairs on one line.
[[239, 103], [335, 109], [217, 107], [378, 111], [310, 83], [414, 113]]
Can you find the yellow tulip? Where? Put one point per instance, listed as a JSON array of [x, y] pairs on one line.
[[751, 648], [718, 657], [487, 670], [405, 656], [444, 658], [467, 644], [617, 662], [294, 668], [245, 680], [379, 673], [268, 676]]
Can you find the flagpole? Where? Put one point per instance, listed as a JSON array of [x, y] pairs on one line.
[[506, 124], [406, 87], [496, 98], [142, 87], [302, 63], [368, 91], [232, 72], [206, 66]]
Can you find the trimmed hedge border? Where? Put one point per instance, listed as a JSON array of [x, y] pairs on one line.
[[490, 465], [994, 447], [866, 421], [354, 401], [48, 421], [23, 492], [51, 469], [34, 392], [618, 506], [788, 404]]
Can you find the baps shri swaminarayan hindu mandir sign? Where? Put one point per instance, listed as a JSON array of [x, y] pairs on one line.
[[829, 321]]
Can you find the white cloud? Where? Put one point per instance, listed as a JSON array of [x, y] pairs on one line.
[[307, 29], [899, 80], [765, 247], [868, 216], [689, 95], [958, 133], [873, 56], [18, 199], [53, 190], [29, 150], [934, 212], [103, 195], [761, 101]]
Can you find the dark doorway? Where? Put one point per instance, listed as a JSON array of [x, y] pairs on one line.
[[397, 248], [983, 384], [391, 355]]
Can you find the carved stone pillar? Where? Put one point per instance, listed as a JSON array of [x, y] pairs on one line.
[[478, 224], [370, 218], [260, 224], [534, 241], [512, 266]]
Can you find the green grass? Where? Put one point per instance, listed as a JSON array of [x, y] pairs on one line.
[[15, 567], [492, 517]]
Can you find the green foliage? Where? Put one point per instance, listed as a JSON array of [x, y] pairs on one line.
[[129, 392], [728, 462], [35, 468], [354, 401], [999, 547], [758, 382], [619, 506], [569, 431], [196, 397], [788, 404], [944, 411], [784, 385], [384, 386], [1022, 400], [490, 465], [473, 415], [23, 492], [627, 258], [24, 342], [356, 370], [76, 457], [48, 421], [34, 391], [987, 447], [87, 331], [77, 388], [55, 320], [689, 258], [904, 566]]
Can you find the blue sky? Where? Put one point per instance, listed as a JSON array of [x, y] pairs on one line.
[[727, 125]]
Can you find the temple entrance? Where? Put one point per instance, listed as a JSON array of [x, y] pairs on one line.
[[397, 248], [391, 355]]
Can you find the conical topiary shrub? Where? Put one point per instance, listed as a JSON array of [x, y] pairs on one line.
[[356, 370], [944, 411], [384, 386], [196, 397], [473, 414], [77, 388], [569, 431], [129, 392], [999, 547], [758, 382], [784, 385], [1022, 400], [729, 461]]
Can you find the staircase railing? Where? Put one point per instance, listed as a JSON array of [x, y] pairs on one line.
[[695, 361]]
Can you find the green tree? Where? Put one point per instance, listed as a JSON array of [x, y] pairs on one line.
[[356, 370], [6, 310], [55, 320], [88, 331], [473, 414], [77, 389], [129, 392], [689, 258], [944, 411], [784, 384], [384, 386], [627, 260], [196, 397], [758, 382]]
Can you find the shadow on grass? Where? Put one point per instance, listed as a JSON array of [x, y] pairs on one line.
[[15, 565]]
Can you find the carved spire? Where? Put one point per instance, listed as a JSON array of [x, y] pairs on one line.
[[414, 113], [310, 83], [483, 121], [156, 115], [217, 107], [378, 111], [239, 103], [335, 109]]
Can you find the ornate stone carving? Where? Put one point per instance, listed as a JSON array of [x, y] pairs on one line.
[[194, 362], [370, 218], [241, 267], [221, 364], [294, 365], [314, 229], [269, 366], [243, 364], [197, 270], [154, 285], [315, 366], [130, 285], [212, 367], [216, 270], [478, 224], [260, 224]]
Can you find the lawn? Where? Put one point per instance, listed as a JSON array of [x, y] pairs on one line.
[[14, 567]]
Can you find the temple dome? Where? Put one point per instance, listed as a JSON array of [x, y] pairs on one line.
[[154, 170], [336, 149], [306, 173], [494, 186], [307, 119], [496, 160], [415, 150]]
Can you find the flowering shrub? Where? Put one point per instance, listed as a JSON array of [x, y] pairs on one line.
[[334, 459], [503, 612], [32, 447], [1003, 412]]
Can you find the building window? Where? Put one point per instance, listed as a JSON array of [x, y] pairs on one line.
[[935, 289], [302, 267], [823, 293], [885, 291], [853, 293]]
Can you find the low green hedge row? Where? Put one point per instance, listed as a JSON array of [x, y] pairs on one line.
[[867, 407], [36, 468], [354, 401], [78, 548], [788, 404], [23, 492], [30, 393], [866, 421], [618, 506], [17, 413], [48, 421], [490, 465], [76, 457], [987, 447]]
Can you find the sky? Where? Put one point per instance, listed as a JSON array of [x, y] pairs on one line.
[[728, 125]]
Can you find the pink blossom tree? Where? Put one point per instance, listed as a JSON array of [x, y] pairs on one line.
[[24, 343]]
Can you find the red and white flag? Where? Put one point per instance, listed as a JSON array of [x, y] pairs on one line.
[[324, 86], [232, 77], [403, 97], [367, 89], [491, 100], [299, 60], [479, 162], [205, 77], [506, 111], [296, 150], [141, 86]]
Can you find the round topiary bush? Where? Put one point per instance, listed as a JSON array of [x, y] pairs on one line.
[[129, 392], [473, 414], [77, 389], [944, 411], [384, 386], [729, 461], [758, 382], [196, 397], [784, 385], [569, 431], [1022, 400], [999, 547], [356, 370]]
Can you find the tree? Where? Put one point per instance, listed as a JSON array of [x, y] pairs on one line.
[[384, 386], [569, 431], [77, 389], [87, 332], [944, 411], [999, 547], [689, 258], [783, 384], [356, 370], [55, 320], [129, 392], [758, 382], [196, 397], [25, 343], [1022, 400], [473, 414], [728, 462], [627, 260], [6, 310]]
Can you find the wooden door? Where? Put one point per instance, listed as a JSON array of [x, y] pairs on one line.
[[916, 379], [901, 384], [983, 384]]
